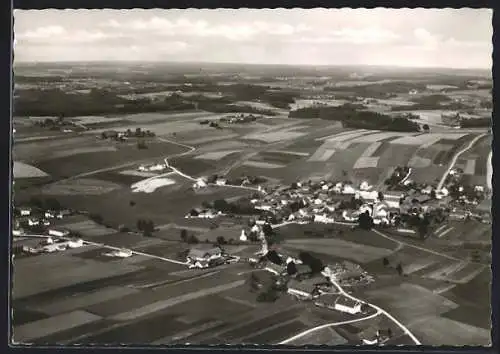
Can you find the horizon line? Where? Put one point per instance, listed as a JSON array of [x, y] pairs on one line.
[[125, 61]]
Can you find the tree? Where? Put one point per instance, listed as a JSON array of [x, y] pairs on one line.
[[96, 218], [206, 204], [365, 221], [36, 202], [138, 132], [141, 144], [269, 295], [315, 264], [193, 212], [399, 269], [128, 132], [221, 240], [380, 196], [385, 261], [267, 229], [193, 240], [131, 203], [184, 235], [221, 205], [52, 204], [426, 128], [291, 268], [140, 224], [274, 257], [104, 136], [253, 281]]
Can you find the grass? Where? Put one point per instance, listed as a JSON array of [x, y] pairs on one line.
[[338, 248], [274, 136], [262, 164], [87, 162], [216, 155], [409, 302], [278, 157], [39, 329], [82, 186], [366, 162], [196, 168], [435, 330]]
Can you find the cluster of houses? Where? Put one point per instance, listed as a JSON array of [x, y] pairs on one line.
[[234, 119], [204, 182], [28, 218], [34, 246], [28, 221], [317, 288], [325, 202], [207, 256], [158, 167]]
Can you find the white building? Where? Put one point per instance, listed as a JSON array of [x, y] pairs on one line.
[[243, 236], [478, 189], [17, 232], [350, 217], [369, 195], [204, 254], [345, 304], [33, 222], [348, 189], [364, 186], [58, 233], [221, 181], [25, 211], [200, 183], [323, 219], [75, 243], [123, 253]]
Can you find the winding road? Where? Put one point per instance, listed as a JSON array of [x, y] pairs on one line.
[[328, 325], [455, 158], [344, 293]]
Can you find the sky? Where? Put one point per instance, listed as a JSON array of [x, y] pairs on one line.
[[449, 38]]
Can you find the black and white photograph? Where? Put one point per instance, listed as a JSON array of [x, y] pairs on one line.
[[283, 177]]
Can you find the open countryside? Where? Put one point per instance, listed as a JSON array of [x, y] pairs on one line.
[[306, 205]]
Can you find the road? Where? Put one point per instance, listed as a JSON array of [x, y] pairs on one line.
[[113, 248], [387, 314], [333, 324], [379, 310], [455, 158]]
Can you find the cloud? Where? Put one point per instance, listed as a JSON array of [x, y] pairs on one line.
[[43, 32], [353, 36], [238, 31], [57, 35], [426, 39]]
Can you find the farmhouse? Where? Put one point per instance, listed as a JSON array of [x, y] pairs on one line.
[[347, 305], [58, 232], [274, 268], [204, 254], [305, 289], [221, 181], [25, 211]]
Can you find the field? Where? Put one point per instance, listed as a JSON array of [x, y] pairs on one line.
[[68, 166], [142, 302], [22, 170], [151, 184], [338, 248]]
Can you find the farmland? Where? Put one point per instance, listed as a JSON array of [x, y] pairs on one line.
[[140, 204]]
